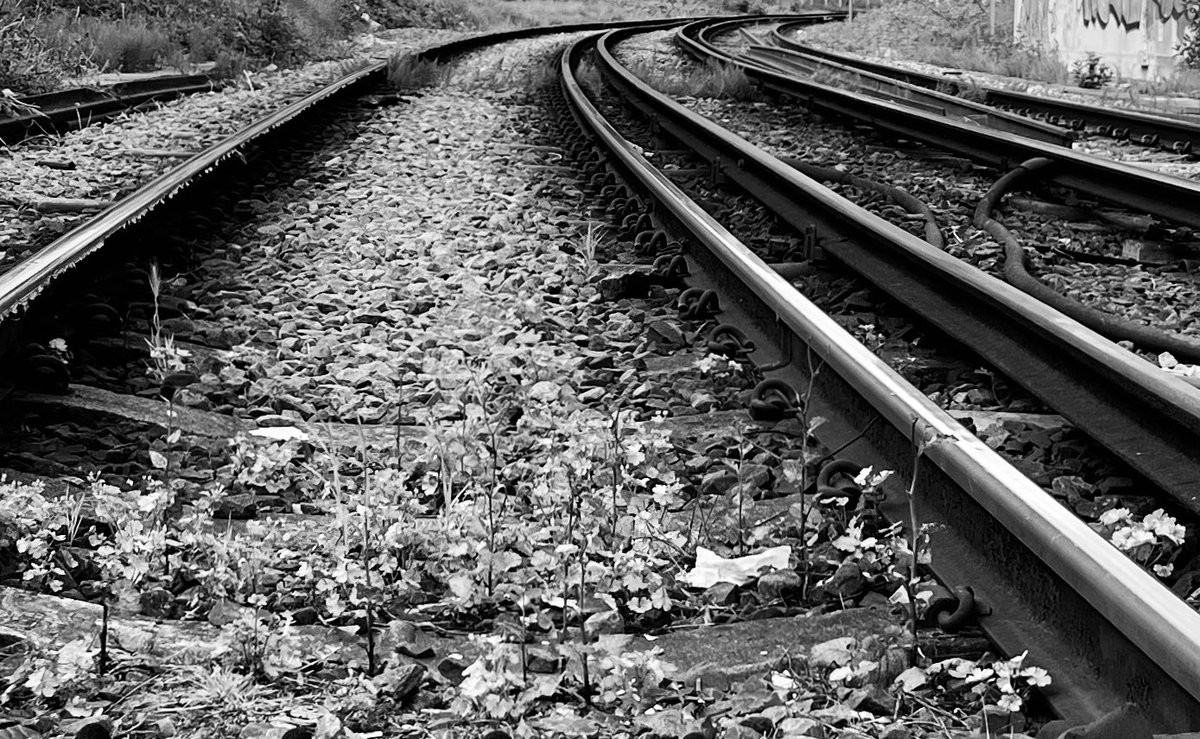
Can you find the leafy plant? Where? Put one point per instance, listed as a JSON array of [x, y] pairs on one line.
[[1152, 542], [1091, 73]]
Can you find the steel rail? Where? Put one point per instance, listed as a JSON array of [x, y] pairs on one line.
[[1116, 182], [1148, 418], [1089, 575], [966, 111], [68, 109], [1166, 129], [27, 279]]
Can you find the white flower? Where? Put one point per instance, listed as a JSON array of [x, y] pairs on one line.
[[979, 674], [1113, 516], [1163, 525], [861, 478], [1128, 538], [1036, 676], [1009, 702], [1164, 570], [58, 345]]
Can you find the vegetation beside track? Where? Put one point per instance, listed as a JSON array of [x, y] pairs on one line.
[[947, 34], [44, 42]]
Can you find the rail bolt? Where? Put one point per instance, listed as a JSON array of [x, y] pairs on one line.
[[773, 400], [729, 341], [830, 491], [670, 266], [616, 207], [698, 304], [637, 222], [1182, 147], [1149, 139], [951, 611], [650, 242]]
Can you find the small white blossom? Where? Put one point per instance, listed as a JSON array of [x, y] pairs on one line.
[[1114, 516]]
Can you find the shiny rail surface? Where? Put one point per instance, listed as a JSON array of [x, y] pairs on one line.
[[886, 88], [1113, 632], [1129, 186], [1144, 416], [70, 109], [1168, 132]]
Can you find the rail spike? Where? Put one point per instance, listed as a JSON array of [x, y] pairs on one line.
[[829, 493], [951, 611], [773, 400], [698, 304], [729, 341]]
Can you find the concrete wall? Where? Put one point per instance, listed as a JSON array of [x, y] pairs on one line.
[[1137, 38]]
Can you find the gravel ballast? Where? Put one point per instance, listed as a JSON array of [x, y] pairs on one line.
[[107, 161]]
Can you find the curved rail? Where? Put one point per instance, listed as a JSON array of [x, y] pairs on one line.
[[26, 280], [934, 101], [1161, 628], [69, 109], [1116, 182], [1168, 132], [1146, 417], [931, 100]]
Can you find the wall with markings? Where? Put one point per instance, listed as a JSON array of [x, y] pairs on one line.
[[1135, 37]]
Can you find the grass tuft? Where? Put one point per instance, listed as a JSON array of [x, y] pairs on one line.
[[410, 72], [689, 79]]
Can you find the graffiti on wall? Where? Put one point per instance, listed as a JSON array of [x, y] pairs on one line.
[[1131, 14], [1035, 19]]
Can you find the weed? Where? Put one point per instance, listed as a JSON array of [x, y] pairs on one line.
[[687, 79], [410, 71], [1090, 73]]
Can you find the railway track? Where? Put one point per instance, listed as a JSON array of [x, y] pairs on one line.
[[1114, 182], [802, 203], [1167, 132], [1138, 641], [56, 112]]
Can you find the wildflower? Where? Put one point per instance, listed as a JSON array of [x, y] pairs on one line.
[[979, 674], [1131, 537], [1114, 516], [1009, 702], [1164, 570], [1036, 676], [1163, 525]]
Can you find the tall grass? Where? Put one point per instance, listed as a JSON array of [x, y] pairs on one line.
[[129, 45]]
